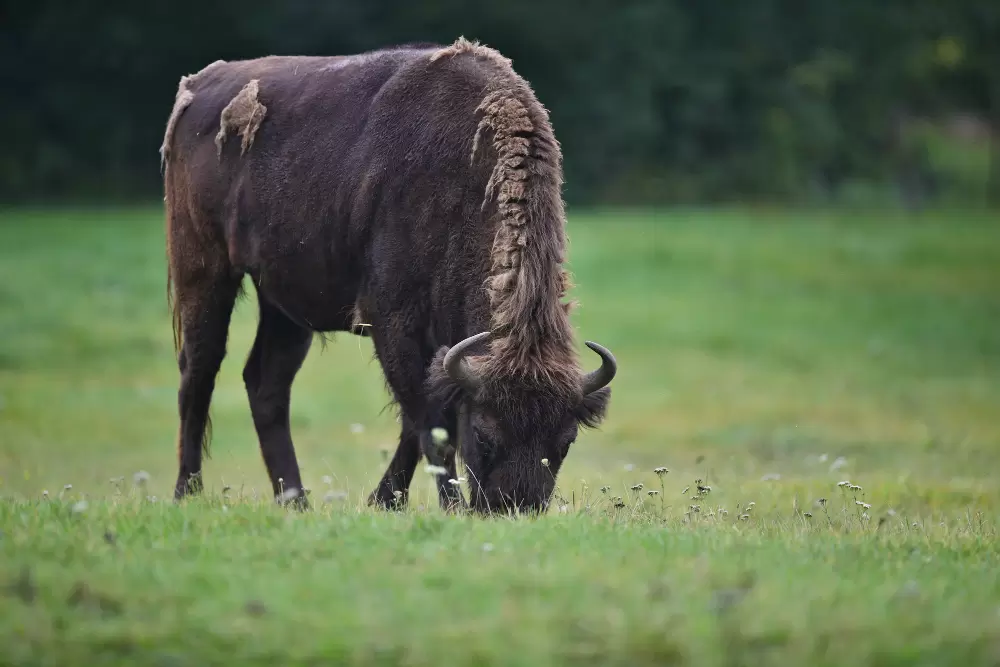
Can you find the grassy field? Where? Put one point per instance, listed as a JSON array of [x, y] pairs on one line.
[[768, 355]]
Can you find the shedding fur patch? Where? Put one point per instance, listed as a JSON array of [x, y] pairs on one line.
[[244, 113], [511, 126], [462, 45], [181, 102]]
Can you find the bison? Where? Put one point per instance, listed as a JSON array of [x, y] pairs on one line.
[[414, 190]]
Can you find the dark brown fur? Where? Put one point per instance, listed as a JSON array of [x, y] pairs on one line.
[[416, 190]]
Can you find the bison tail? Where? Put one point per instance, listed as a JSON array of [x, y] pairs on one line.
[[175, 314]]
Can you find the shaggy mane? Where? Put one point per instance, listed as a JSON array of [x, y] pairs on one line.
[[532, 335]]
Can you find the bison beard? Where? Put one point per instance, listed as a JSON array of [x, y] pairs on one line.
[[415, 190]]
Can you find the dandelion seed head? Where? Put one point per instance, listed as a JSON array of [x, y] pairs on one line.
[[437, 471], [397, 494], [141, 477], [80, 507], [439, 435], [545, 463]]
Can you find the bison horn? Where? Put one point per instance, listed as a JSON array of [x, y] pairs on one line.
[[600, 378], [458, 368]]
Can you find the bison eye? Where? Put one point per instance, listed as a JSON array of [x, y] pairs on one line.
[[485, 447]]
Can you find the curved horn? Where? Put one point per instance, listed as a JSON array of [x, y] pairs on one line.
[[457, 367], [595, 380]]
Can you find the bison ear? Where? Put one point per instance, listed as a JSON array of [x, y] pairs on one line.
[[591, 411], [440, 386]]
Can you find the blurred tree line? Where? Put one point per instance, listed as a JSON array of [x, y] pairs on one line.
[[653, 100]]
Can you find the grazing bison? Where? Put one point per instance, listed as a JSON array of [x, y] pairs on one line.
[[415, 190]]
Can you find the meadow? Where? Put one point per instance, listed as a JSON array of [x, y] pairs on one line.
[[801, 464]]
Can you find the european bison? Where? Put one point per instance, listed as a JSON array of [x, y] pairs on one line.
[[414, 190]]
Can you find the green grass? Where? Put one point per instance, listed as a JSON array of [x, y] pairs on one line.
[[769, 355]]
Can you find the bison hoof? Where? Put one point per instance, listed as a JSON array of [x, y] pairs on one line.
[[293, 498], [188, 485], [387, 499]]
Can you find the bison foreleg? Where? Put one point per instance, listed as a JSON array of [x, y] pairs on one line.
[[277, 354]]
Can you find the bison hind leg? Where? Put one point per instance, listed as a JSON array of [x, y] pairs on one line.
[[204, 311]]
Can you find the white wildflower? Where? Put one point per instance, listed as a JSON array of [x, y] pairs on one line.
[[437, 471], [140, 477], [80, 507], [545, 463]]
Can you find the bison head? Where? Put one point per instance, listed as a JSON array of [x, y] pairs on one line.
[[514, 434]]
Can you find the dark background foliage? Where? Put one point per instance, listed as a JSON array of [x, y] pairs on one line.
[[654, 101]]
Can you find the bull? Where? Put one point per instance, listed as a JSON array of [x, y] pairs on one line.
[[415, 190]]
